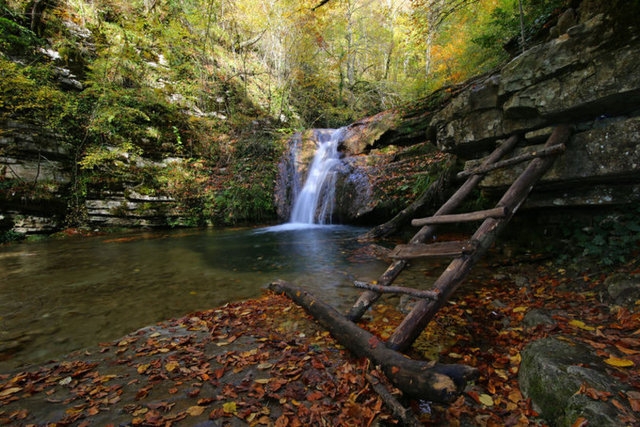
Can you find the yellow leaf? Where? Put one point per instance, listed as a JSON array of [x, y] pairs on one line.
[[171, 366], [486, 400], [580, 324], [194, 411], [143, 368], [9, 391], [520, 309], [230, 407], [620, 363]]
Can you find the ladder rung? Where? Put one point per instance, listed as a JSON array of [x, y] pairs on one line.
[[441, 249], [543, 152], [500, 212], [433, 295]]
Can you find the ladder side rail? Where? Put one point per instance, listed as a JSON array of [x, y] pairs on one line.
[[424, 310], [465, 217], [367, 298], [544, 152]]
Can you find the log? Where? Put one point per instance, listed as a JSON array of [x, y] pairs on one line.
[[465, 217], [544, 152], [397, 290], [427, 232], [424, 310], [420, 379], [405, 415]]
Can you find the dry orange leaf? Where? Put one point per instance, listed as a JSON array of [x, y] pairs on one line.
[[580, 422], [9, 391], [627, 351], [634, 400]]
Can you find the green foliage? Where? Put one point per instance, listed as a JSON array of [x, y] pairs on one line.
[[26, 91], [505, 23], [10, 236], [609, 239], [15, 38]]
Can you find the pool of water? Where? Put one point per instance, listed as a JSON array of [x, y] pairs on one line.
[[57, 296]]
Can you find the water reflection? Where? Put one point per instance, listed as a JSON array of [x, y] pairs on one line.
[[61, 295]]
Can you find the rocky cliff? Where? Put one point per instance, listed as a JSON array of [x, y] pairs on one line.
[[586, 76]]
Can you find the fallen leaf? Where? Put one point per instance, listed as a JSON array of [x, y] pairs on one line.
[[230, 407], [580, 422], [194, 411], [634, 400], [580, 324], [171, 366], [315, 395], [627, 351], [485, 399], [9, 391], [619, 363]]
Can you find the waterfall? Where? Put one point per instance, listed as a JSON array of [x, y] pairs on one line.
[[313, 204]]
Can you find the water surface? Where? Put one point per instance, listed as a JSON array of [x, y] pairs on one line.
[[57, 296]]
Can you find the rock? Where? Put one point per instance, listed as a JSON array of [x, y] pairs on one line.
[[624, 289], [551, 374], [608, 151], [537, 317]]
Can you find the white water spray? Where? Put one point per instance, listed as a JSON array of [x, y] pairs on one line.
[[314, 203]]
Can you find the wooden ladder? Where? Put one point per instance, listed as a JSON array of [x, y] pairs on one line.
[[465, 253]]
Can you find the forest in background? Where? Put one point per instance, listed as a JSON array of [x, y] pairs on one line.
[[221, 84]]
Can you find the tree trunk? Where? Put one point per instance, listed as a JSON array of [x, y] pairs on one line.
[[425, 380]]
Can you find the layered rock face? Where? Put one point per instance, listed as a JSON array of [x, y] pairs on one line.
[[38, 162], [587, 76]]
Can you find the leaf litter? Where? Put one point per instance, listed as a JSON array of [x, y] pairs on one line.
[[266, 362]]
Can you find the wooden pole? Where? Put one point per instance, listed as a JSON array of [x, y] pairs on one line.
[[424, 310], [425, 380], [367, 298]]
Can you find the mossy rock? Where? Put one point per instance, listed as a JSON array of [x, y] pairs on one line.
[[553, 370]]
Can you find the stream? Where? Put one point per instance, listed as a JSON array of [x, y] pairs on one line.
[[62, 295]]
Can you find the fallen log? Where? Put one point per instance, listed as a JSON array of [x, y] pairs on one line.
[[425, 380], [404, 414]]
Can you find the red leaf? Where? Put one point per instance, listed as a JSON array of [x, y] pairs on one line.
[[373, 342]]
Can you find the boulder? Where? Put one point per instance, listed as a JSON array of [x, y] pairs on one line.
[[624, 289], [552, 372]]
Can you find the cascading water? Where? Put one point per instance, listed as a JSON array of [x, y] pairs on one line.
[[314, 202]]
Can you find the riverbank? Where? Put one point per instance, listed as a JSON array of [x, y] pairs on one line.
[[264, 361]]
